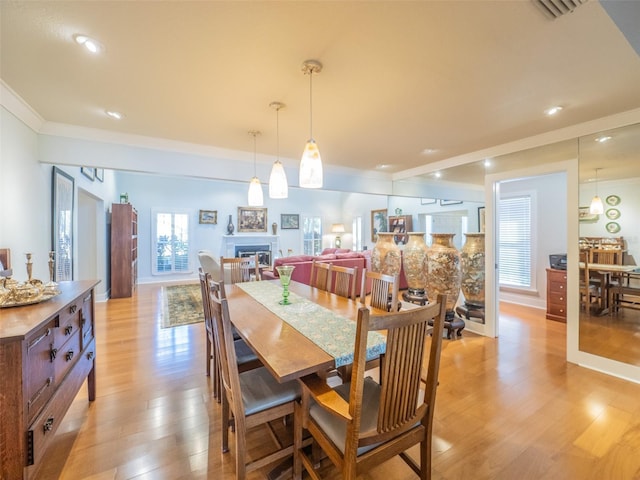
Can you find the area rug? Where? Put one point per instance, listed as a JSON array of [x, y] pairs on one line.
[[182, 305]]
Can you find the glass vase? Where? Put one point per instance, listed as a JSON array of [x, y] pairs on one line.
[[285, 272]]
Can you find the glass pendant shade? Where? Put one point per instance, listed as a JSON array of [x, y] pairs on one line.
[[596, 207], [255, 197], [311, 166], [278, 186]]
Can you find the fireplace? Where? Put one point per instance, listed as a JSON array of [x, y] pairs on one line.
[[263, 252]]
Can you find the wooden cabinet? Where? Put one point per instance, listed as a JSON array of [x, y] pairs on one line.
[[557, 295], [47, 351], [400, 224], [124, 250]]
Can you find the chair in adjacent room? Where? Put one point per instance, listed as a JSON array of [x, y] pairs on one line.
[[384, 290], [343, 281], [250, 398], [320, 275], [239, 269], [589, 286], [245, 357], [361, 424]]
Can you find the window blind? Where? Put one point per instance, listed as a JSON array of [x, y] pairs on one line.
[[515, 241]]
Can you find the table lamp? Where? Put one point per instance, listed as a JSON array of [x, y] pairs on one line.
[[337, 228]]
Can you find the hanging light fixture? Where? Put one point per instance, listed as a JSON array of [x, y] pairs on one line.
[[255, 197], [311, 163], [278, 186], [596, 207]]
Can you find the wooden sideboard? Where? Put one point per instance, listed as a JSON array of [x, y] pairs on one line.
[[557, 295], [47, 350]]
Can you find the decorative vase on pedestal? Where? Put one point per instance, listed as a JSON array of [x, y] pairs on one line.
[[274, 228], [472, 265], [230, 226], [385, 256], [414, 258], [443, 270]]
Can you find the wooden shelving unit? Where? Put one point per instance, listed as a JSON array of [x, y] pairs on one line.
[[400, 224], [124, 250]]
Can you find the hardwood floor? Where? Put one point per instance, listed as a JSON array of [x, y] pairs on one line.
[[507, 408]]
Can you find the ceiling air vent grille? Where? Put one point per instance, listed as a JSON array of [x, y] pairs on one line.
[[557, 8]]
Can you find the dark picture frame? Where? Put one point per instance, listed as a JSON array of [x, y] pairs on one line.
[[209, 217], [62, 204], [289, 221], [444, 203], [99, 172], [379, 223], [88, 172], [252, 219]]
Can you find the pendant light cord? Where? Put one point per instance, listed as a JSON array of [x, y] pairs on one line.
[[278, 134], [311, 104]]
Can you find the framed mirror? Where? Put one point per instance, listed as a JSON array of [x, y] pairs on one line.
[[62, 224]]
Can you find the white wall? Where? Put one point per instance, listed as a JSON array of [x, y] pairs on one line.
[[629, 207]]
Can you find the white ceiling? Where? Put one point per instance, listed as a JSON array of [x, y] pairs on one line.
[[398, 77]]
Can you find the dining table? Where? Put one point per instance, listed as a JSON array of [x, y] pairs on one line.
[[314, 333], [603, 272]]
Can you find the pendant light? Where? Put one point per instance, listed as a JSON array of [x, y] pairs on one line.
[[311, 163], [255, 197], [596, 207], [278, 186]]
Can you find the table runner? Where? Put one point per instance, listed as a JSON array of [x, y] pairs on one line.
[[333, 333]]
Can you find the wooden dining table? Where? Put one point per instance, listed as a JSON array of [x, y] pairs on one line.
[[603, 272], [284, 350]]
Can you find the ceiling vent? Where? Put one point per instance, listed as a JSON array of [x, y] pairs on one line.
[[557, 8]]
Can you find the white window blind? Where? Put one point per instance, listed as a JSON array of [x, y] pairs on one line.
[[171, 242], [515, 241]]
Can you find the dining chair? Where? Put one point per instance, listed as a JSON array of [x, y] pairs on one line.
[[250, 398], [209, 264], [245, 357], [590, 286], [384, 290], [320, 275], [239, 269], [361, 424], [343, 281]]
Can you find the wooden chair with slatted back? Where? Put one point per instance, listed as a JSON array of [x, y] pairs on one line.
[[320, 275], [589, 286], [343, 281], [384, 290], [250, 398], [239, 269], [361, 424], [211, 355]]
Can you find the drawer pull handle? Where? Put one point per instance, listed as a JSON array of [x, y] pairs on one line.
[[68, 329], [89, 355], [39, 392], [73, 308], [48, 425], [69, 355], [52, 353]]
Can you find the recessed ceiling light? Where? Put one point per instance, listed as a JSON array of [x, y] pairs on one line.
[[487, 162], [114, 114], [429, 151], [383, 166], [89, 43], [437, 174], [553, 110], [603, 138]]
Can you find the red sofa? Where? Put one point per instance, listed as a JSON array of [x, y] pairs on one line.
[[335, 256]]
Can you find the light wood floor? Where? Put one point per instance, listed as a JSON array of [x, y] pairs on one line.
[[507, 408]]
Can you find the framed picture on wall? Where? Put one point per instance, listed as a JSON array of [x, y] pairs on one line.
[[289, 221], [252, 219], [379, 223], [100, 174], [208, 216], [88, 172], [481, 219]]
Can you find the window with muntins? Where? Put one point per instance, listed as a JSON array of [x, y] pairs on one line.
[[312, 235], [171, 242]]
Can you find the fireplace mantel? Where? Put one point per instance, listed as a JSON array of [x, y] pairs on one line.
[[229, 242]]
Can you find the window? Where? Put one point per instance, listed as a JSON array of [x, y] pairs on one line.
[[312, 235], [357, 233], [170, 242], [515, 241]]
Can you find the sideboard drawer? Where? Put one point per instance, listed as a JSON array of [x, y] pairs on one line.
[[557, 295], [40, 370], [66, 356]]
